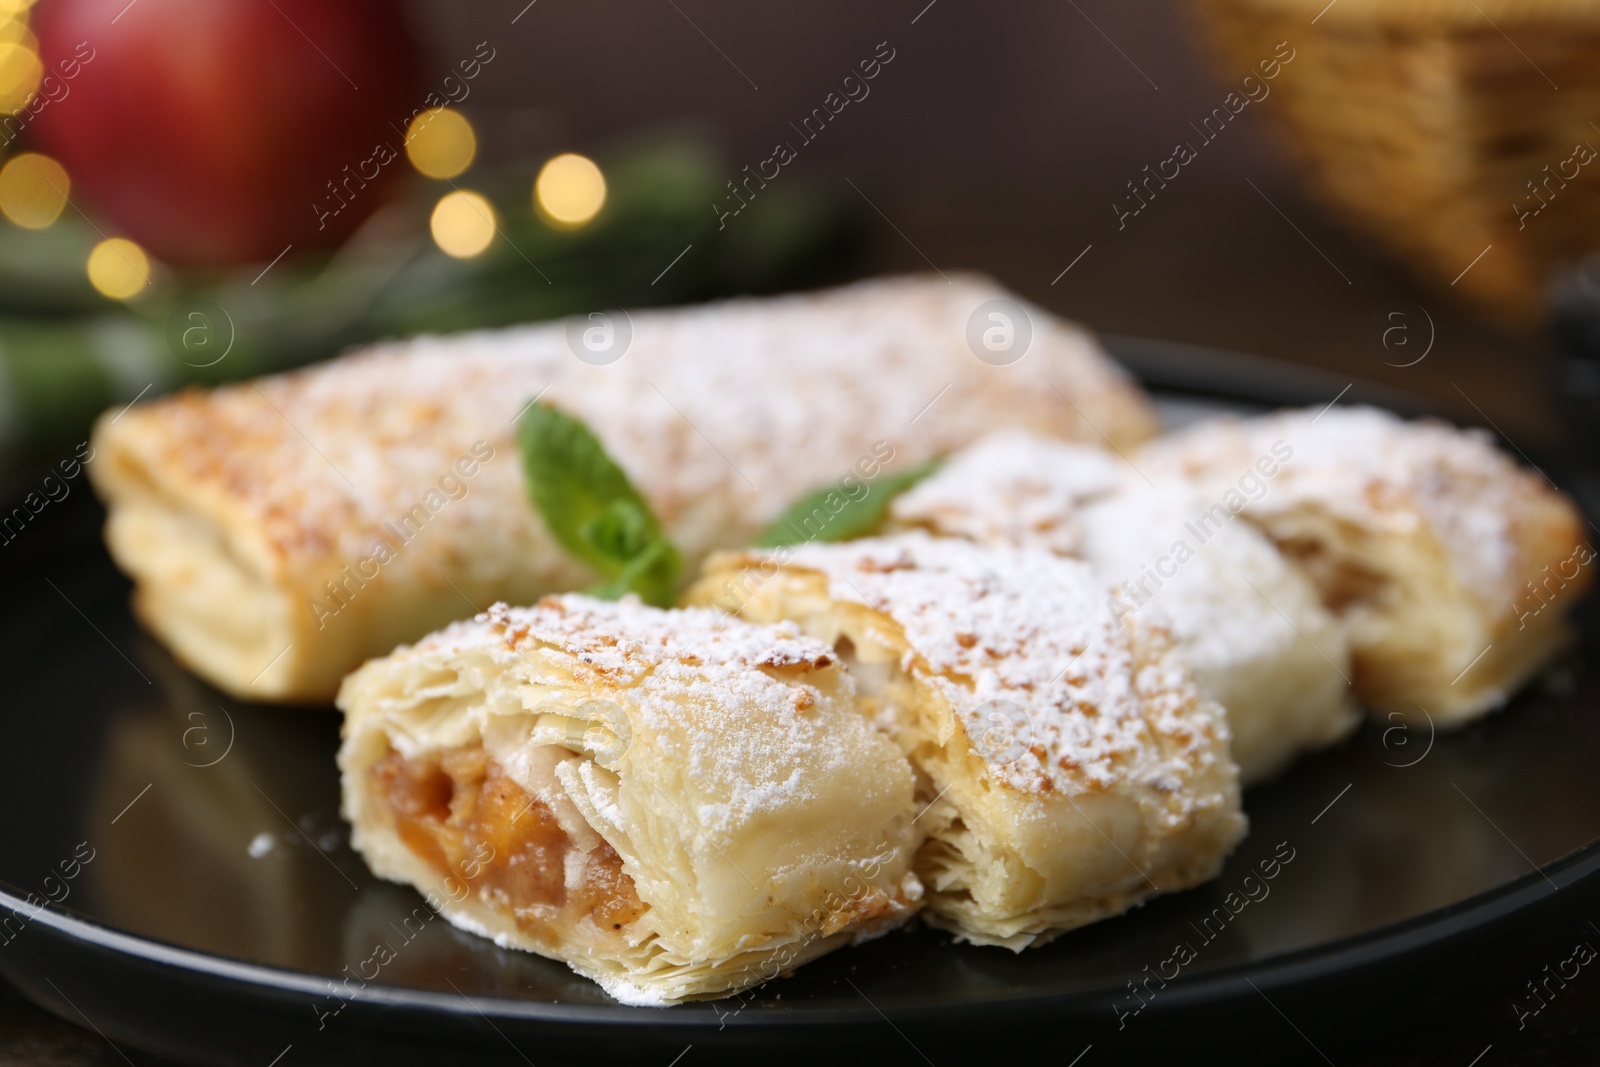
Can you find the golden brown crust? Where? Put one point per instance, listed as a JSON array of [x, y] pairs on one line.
[[1251, 625], [1430, 544], [291, 492], [757, 819], [1070, 765]]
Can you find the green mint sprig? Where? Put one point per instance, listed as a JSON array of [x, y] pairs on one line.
[[593, 510], [827, 514]]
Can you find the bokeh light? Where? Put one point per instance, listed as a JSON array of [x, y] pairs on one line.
[[16, 30], [20, 71], [440, 142], [570, 190], [118, 268], [462, 224], [33, 190]]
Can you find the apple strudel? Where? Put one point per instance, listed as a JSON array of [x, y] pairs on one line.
[[1451, 566], [675, 803], [1250, 624], [1068, 766], [279, 532]]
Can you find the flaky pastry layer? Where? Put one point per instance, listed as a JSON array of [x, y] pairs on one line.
[[279, 532], [1452, 567], [1068, 764], [1252, 626], [676, 804]]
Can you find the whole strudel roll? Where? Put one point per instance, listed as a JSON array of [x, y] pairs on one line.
[[280, 532], [1068, 765], [1452, 567], [675, 803], [1252, 626]]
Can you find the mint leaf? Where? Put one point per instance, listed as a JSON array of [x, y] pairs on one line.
[[622, 530], [593, 510], [827, 514], [652, 574]]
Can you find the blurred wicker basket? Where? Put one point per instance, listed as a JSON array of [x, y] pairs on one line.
[[1441, 128]]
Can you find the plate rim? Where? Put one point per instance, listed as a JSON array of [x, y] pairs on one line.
[[1297, 966]]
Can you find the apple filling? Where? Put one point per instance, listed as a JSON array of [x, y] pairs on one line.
[[461, 813]]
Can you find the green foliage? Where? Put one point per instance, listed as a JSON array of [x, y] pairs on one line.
[[846, 517], [593, 510]]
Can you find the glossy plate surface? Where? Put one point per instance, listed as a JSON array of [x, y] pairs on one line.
[[205, 904]]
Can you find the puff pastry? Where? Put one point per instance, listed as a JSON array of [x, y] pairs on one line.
[[1451, 566], [677, 804], [279, 532], [1252, 626], [1068, 765], [1012, 487]]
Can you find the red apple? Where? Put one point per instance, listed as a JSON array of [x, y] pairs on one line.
[[210, 130]]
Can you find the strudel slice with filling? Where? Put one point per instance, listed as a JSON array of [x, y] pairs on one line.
[[1250, 624], [1068, 765], [675, 803], [1452, 566]]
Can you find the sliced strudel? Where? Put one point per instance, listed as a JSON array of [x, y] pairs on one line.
[[675, 803], [1451, 566], [1069, 766], [1252, 626]]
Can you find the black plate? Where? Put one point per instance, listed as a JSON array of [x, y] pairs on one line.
[[220, 916]]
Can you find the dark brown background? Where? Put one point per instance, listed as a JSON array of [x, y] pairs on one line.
[[1002, 93], [998, 139]]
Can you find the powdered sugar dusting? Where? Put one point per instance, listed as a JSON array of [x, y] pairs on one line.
[[1380, 471], [761, 743], [1230, 596], [1033, 629], [723, 415], [1015, 488], [1251, 626], [1024, 491]]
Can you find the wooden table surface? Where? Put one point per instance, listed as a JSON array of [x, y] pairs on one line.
[[1219, 266]]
